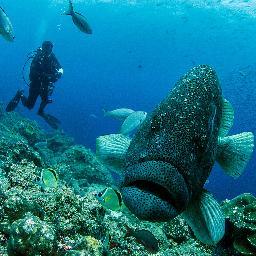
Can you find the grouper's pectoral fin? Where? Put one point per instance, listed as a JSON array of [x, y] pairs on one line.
[[227, 118], [234, 152], [205, 218], [112, 148]]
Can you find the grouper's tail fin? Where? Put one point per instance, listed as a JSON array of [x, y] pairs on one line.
[[70, 10], [205, 218], [234, 152]]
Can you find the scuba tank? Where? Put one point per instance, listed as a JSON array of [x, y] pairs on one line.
[[30, 56]]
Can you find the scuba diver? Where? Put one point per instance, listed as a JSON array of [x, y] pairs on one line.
[[45, 70]]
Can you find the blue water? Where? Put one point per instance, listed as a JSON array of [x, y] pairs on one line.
[[133, 58]]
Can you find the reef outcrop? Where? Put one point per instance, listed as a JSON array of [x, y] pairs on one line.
[[68, 219]]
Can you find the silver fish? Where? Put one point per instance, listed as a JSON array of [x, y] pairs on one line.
[[132, 122], [119, 114], [79, 20], [6, 29]]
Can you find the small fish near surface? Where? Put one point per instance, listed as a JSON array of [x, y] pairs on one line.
[[171, 156], [78, 19], [119, 114], [110, 198], [6, 29]]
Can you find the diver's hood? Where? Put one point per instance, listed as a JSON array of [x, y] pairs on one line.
[[154, 191]]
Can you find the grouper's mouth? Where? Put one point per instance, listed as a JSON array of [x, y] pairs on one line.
[[154, 190]]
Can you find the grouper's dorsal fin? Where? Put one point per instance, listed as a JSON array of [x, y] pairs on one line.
[[205, 218], [234, 152], [112, 148], [227, 118]]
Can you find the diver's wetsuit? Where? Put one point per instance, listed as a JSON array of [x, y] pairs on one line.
[[44, 71]]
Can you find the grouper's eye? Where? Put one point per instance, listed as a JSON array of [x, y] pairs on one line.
[[156, 123]]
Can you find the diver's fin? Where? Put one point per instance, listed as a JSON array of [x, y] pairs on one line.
[[205, 218], [14, 101], [54, 119], [227, 118], [112, 147], [70, 10], [234, 152], [51, 121]]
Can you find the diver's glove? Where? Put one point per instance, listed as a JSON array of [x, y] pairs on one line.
[[58, 74]]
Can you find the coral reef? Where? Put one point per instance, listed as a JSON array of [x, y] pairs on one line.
[[68, 220], [241, 213], [79, 168], [31, 236]]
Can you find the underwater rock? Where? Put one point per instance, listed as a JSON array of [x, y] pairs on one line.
[[22, 175], [20, 128], [72, 214], [94, 246], [79, 167], [125, 235], [18, 152], [177, 231], [30, 236], [191, 248], [59, 142], [241, 212], [243, 246], [90, 246], [3, 245], [30, 130], [4, 183], [17, 205]]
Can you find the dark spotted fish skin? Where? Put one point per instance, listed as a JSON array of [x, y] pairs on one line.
[[177, 134], [144, 237]]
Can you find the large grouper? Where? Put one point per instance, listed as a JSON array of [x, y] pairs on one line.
[[169, 159]]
